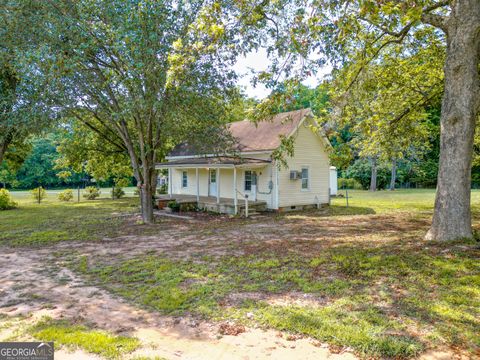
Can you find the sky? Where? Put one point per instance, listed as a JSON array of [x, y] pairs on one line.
[[259, 61]]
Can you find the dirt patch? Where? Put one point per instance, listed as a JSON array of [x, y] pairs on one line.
[[32, 283], [230, 328], [36, 282]]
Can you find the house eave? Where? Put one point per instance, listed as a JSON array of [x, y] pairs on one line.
[[213, 163], [242, 153]]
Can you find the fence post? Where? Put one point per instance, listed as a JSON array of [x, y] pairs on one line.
[[346, 195], [78, 193], [246, 206], [39, 194]]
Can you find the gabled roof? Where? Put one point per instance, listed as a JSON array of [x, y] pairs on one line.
[[261, 136]]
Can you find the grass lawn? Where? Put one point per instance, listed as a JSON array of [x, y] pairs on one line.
[[414, 200], [359, 277], [73, 335], [54, 221]]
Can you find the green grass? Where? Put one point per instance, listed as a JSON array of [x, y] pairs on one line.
[[372, 298], [25, 197], [364, 329], [34, 224], [367, 283], [79, 336], [417, 200]]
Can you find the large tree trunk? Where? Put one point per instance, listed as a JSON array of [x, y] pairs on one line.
[[147, 203], [5, 143], [393, 177], [460, 110], [373, 176], [144, 172], [148, 188], [3, 150]]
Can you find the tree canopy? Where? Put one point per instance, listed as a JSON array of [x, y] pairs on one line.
[[357, 36], [24, 105], [141, 75]]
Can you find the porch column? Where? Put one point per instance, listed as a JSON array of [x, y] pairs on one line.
[[218, 185], [235, 201], [170, 183], [198, 185]]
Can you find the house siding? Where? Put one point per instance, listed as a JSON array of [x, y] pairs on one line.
[[191, 189], [226, 183], [309, 151]]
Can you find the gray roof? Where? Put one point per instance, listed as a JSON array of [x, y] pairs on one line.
[[261, 136]]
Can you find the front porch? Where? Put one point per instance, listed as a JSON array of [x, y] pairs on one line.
[[214, 204], [219, 184]]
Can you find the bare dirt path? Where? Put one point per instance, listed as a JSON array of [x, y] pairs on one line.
[[31, 282]]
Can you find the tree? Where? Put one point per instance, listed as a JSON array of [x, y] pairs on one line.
[[361, 170], [239, 106], [379, 92], [82, 150], [143, 75], [303, 97], [38, 166], [7, 176], [358, 33], [24, 109]]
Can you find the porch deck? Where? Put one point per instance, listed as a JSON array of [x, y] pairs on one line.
[[225, 205]]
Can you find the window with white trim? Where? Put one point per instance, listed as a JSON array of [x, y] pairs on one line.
[[184, 179], [248, 180], [305, 179]]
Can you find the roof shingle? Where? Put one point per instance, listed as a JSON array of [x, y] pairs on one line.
[[261, 136]]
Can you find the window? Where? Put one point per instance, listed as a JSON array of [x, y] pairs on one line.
[[305, 180], [213, 176], [248, 180], [184, 179]]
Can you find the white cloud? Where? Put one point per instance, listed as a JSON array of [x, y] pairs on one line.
[[258, 61]]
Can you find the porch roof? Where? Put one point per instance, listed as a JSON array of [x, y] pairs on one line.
[[214, 162]]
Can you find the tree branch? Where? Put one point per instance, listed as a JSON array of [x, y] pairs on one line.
[[408, 110], [436, 20]]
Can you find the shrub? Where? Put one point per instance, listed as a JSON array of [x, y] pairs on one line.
[[188, 207], [65, 195], [91, 193], [117, 193], [174, 206], [349, 184], [39, 194], [6, 201], [162, 189]]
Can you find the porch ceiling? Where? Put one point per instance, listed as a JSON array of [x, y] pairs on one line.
[[214, 162]]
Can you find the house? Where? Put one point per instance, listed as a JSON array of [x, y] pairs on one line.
[[227, 184]]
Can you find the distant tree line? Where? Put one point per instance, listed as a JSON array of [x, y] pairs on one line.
[[41, 168]]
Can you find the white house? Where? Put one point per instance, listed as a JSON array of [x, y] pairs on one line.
[[224, 183]]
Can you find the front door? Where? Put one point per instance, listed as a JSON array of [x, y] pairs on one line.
[[213, 183]]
